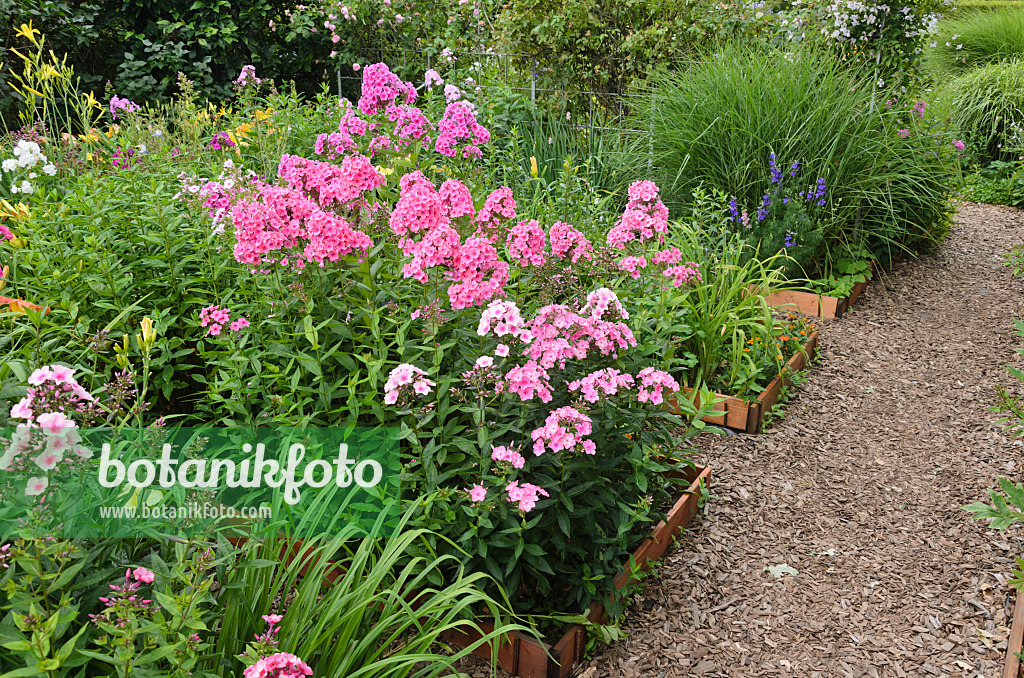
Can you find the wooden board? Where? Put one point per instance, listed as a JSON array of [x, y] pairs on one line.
[[1016, 640], [746, 416]]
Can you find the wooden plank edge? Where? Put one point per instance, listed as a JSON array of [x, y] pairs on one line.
[[1013, 644]]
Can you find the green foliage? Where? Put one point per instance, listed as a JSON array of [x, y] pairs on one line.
[[717, 122], [985, 107], [358, 606], [603, 45], [972, 39], [1000, 182]]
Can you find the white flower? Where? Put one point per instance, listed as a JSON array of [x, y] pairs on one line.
[[49, 169], [14, 188], [26, 187], [10, 164], [32, 175]]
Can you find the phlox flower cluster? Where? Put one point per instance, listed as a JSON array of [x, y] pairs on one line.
[[341, 142], [481, 274], [560, 334], [222, 140], [410, 124], [27, 155], [567, 241], [529, 381], [403, 382], [282, 218], [600, 301], [279, 665], [644, 218], [499, 208], [958, 145], [632, 265], [120, 104], [670, 256], [681, 275], [526, 242], [214, 318], [48, 437], [651, 383], [564, 429], [126, 602], [432, 78], [331, 185], [219, 195], [247, 78], [458, 126], [419, 206], [509, 455], [525, 495], [382, 88], [606, 382], [5, 234], [477, 493], [456, 200], [503, 318]]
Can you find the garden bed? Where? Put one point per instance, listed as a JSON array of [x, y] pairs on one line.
[[524, 656], [747, 416], [1015, 643], [820, 305]]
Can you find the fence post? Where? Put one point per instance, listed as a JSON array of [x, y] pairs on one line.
[[533, 82], [338, 73]]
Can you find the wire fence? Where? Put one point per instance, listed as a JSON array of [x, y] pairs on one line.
[[604, 109]]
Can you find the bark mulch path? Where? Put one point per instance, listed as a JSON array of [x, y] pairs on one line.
[[859, 490]]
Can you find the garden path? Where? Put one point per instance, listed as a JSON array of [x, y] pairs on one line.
[[859, 490]]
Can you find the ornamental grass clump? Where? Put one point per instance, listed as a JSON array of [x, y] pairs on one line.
[[718, 121], [974, 39], [985, 107]]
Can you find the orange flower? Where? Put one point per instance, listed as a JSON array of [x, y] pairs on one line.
[[19, 305]]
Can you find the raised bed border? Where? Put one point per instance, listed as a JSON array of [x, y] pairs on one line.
[[820, 305], [748, 416], [525, 656], [1014, 644]]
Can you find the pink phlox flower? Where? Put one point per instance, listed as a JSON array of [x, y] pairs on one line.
[[403, 380], [456, 200], [631, 264], [458, 126], [652, 381], [507, 454], [526, 495], [381, 88], [481, 274], [645, 217], [280, 665], [503, 318], [526, 243], [564, 429], [600, 301], [477, 493], [568, 241], [529, 381], [683, 274], [606, 382], [499, 208], [670, 256]]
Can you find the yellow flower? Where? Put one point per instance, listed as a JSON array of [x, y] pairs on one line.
[[148, 331], [26, 31], [88, 157], [263, 115], [533, 167], [243, 129]]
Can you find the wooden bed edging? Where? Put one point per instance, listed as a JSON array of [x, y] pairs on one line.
[[748, 416], [1016, 640]]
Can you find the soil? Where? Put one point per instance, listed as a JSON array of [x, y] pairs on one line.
[[859, 490]]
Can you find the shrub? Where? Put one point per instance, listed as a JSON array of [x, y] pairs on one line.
[[973, 39], [986, 107], [719, 121]]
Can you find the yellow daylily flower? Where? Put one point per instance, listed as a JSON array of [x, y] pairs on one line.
[[26, 31], [534, 172]]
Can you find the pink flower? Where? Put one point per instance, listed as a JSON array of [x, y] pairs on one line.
[[40, 375], [36, 486], [903, 133], [143, 575], [477, 493], [631, 264], [280, 665], [54, 423], [356, 67], [459, 126], [683, 274], [651, 383], [526, 495], [404, 380], [272, 618], [644, 218], [958, 145], [568, 241], [501, 350], [484, 361], [526, 243], [239, 324], [529, 381], [507, 454], [601, 383], [555, 435]]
